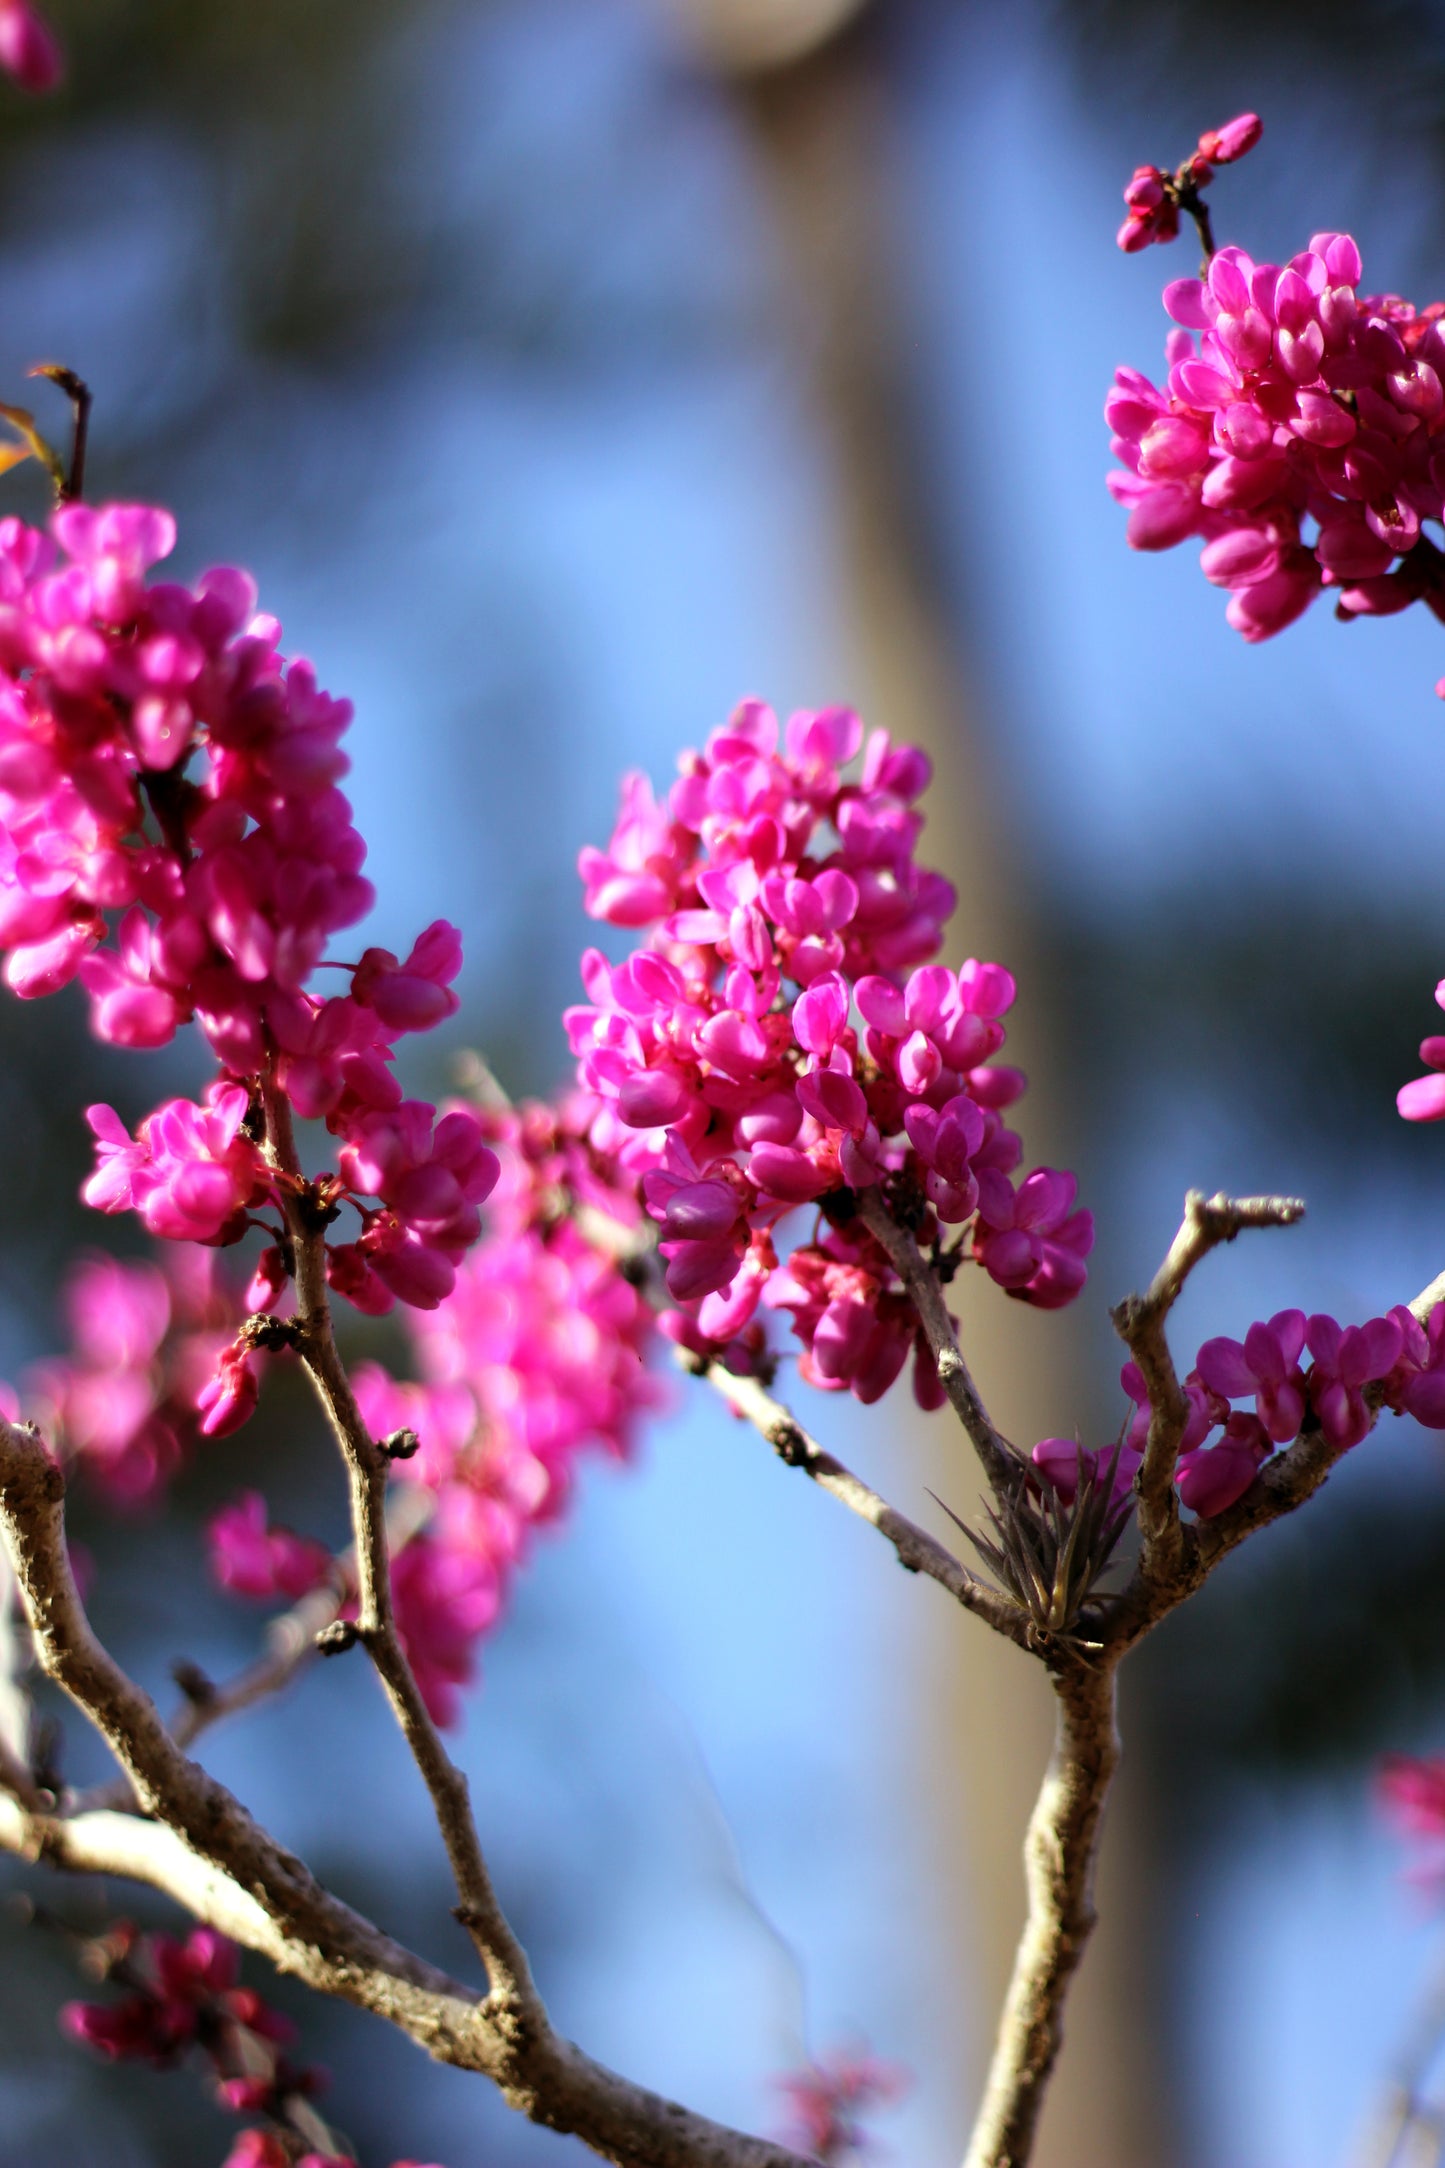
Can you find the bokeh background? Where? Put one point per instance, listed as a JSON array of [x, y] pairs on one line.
[[566, 369]]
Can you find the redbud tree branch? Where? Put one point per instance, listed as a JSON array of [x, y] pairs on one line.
[[1140, 1322], [1062, 1843], [201, 1847], [367, 1469]]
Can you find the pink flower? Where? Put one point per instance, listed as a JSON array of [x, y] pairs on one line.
[[29, 48], [190, 1172], [830, 2098], [229, 1396], [1346, 1360], [1210, 1478], [252, 1558], [446, 1597], [1266, 1366], [417, 994], [1221, 146], [1290, 399], [783, 1039]]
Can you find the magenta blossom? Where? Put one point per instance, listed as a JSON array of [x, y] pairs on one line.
[[1300, 435], [29, 48], [1209, 1479], [190, 1172], [1266, 1366], [252, 1558]]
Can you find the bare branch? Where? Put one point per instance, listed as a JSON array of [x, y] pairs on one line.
[[927, 1298], [1059, 1855], [916, 1549], [1140, 1322], [201, 1847]]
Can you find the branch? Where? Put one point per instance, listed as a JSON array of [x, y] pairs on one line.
[[1059, 1855], [918, 1551], [367, 1468], [1282, 1486], [1140, 1320], [927, 1298], [202, 1848]]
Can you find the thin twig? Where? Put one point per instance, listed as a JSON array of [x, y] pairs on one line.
[[927, 1298], [367, 1468], [1140, 1322], [916, 1549]]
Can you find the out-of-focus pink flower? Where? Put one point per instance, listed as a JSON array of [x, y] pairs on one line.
[[29, 48], [251, 1557], [1411, 1789], [829, 2100]]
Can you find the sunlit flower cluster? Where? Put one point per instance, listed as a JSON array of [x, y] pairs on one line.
[[783, 1039]]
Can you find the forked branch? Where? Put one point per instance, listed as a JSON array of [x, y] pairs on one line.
[[1140, 1322]]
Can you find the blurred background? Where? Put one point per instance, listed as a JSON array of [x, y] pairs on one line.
[[565, 370]]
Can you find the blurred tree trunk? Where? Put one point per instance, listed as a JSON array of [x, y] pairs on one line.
[[823, 133]]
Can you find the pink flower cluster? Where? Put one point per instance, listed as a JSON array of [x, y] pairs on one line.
[[1392, 1361], [251, 1557], [185, 1996], [144, 1350], [829, 2099], [172, 834], [1153, 196], [1301, 436], [258, 2149], [782, 1039]]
